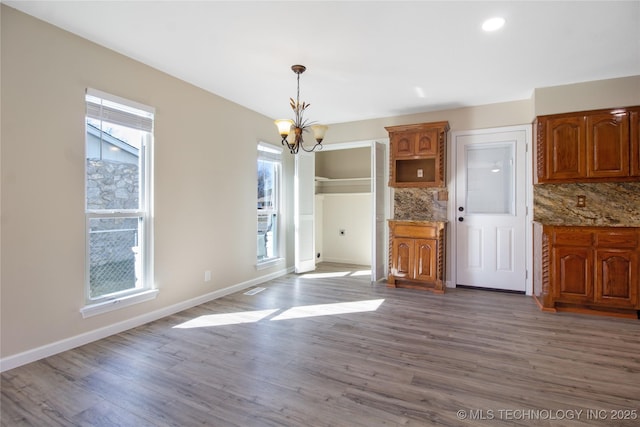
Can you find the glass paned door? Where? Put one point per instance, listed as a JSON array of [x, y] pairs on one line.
[[490, 209], [490, 179]]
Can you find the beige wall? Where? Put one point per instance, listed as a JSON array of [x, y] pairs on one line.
[[205, 190], [351, 213], [349, 163], [486, 116], [205, 182], [622, 92]]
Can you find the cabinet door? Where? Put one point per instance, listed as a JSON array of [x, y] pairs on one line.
[[565, 149], [607, 145], [404, 144], [635, 142], [616, 278], [426, 142], [426, 260], [573, 274], [402, 255]]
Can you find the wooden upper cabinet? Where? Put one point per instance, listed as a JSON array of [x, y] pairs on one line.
[[564, 147], [608, 145], [418, 154], [409, 144], [595, 146], [634, 139]]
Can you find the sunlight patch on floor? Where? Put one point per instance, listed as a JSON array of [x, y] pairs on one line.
[[329, 309], [361, 273], [226, 319], [328, 275], [302, 311], [324, 275]]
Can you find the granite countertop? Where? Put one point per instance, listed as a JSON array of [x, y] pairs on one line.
[[605, 204]]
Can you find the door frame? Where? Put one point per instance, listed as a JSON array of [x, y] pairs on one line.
[[370, 143], [451, 208]]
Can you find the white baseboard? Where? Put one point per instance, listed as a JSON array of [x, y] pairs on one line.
[[47, 350]]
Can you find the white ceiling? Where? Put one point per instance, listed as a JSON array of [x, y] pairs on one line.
[[364, 59]]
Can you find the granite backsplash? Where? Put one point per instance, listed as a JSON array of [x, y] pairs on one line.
[[419, 204], [605, 204]]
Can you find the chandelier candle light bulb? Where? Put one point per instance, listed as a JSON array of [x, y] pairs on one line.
[[291, 130]]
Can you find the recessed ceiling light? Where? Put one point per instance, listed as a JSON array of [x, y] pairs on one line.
[[493, 24]]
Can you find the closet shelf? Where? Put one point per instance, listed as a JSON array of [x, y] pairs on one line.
[[342, 185]]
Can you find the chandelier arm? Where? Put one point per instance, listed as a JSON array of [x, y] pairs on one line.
[[317, 145]]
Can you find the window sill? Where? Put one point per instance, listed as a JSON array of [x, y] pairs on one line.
[[117, 303], [269, 263]]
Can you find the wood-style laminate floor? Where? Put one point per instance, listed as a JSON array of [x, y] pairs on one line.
[[331, 349]]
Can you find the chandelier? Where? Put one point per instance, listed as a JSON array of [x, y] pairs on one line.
[[291, 130]]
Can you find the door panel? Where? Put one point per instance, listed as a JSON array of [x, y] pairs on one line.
[[426, 267], [566, 148], [614, 275], [574, 272], [491, 211], [304, 193], [474, 240], [505, 249], [608, 145], [378, 187], [402, 253]]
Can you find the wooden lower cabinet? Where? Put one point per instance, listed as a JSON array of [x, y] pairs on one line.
[[416, 258], [589, 269]]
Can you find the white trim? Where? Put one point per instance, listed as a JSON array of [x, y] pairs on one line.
[[354, 144], [269, 148], [47, 350], [119, 100], [269, 263], [91, 310]]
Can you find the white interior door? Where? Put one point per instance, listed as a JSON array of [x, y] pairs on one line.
[[304, 199], [378, 187], [491, 209]]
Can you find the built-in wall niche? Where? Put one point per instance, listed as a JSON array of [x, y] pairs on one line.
[[343, 171], [415, 170]]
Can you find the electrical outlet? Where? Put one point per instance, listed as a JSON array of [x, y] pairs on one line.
[[420, 173], [207, 276], [582, 201]]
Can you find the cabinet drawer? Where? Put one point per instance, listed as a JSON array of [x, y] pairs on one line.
[[406, 230], [573, 237], [617, 239]]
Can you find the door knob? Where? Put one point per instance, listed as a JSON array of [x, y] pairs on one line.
[[460, 219]]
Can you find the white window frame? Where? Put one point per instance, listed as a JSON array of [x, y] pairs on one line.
[[145, 289], [272, 153]]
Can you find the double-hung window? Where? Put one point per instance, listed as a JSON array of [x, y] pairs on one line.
[[269, 169], [119, 135]]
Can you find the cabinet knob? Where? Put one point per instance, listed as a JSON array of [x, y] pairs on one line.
[[461, 209], [460, 219]]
